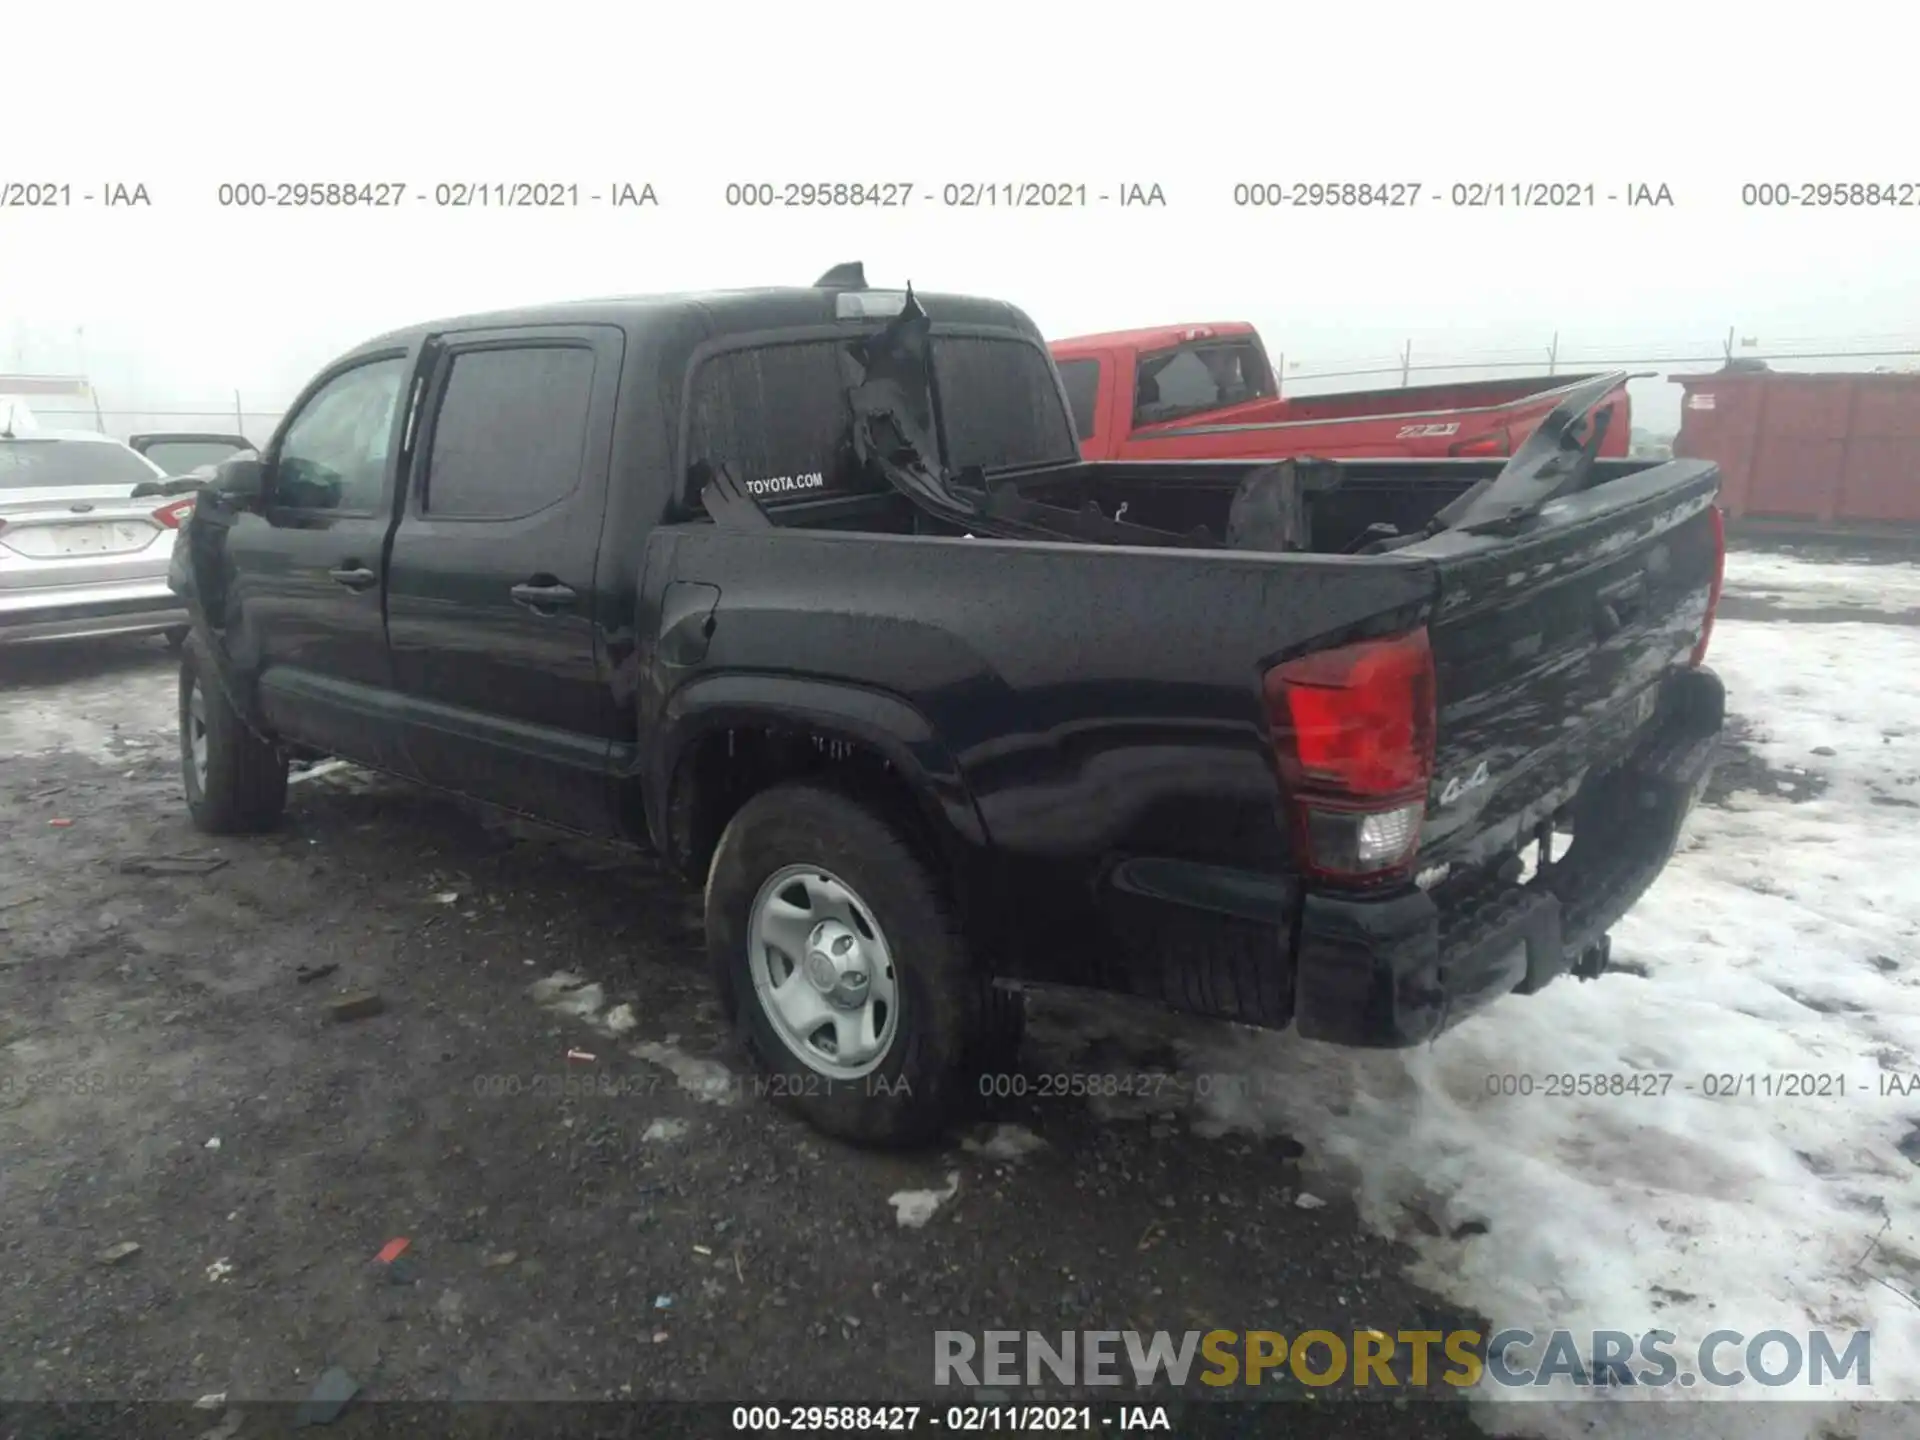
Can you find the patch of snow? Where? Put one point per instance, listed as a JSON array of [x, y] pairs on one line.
[[568, 994], [914, 1208], [664, 1130], [1004, 1142], [1793, 583], [707, 1080]]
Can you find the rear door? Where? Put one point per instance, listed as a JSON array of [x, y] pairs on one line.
[[491, 613], [307, 566]]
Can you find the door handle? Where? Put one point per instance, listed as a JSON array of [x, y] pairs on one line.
[[354, 577], [541, 595]]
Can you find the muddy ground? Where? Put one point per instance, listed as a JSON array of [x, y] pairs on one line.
[[634, 1224]]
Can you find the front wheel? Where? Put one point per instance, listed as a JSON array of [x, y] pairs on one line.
[[236, 782], [839, 958]]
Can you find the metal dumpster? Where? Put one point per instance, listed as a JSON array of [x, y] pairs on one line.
[[1808, 453]]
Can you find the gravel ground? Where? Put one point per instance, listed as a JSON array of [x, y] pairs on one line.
[[634, 1224]]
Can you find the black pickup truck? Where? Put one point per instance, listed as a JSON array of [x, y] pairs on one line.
[[809, 591]]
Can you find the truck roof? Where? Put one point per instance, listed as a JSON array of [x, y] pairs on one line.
[[1158, 337], [722, 311]]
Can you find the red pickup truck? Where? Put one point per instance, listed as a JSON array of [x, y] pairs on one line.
[[1207, 392]]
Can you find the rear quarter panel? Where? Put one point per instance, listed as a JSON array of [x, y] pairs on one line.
[[1094, 700]]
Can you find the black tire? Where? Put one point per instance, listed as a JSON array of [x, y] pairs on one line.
[[921, 1081], [245, 785]]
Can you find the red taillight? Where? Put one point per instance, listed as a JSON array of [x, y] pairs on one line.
[[1495, 442], [174, 513], [1719, 522], [1353, 735]]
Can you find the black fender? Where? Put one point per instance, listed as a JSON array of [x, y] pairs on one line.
[[198, 574], [886, 723]]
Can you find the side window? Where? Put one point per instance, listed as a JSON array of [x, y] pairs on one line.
[[777, 416], [1082, 379], [510, 432], [334, 456], [1204, 377]]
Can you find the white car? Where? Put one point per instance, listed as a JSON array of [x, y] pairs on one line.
[[79, 555]]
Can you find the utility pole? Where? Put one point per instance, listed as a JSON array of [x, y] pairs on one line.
[[1279, 374], [239, 416], [1406, 363], [1729, 345], [1553, 353]]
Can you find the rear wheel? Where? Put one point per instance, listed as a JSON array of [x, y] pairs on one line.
[[236, 782], [839, 958]]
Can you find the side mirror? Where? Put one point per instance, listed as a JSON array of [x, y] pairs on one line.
[[240, 479]]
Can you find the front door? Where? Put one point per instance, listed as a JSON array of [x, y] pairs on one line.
[[490, 604], [308, 564]]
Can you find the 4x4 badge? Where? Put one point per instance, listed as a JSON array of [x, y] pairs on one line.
[[1456, 787]]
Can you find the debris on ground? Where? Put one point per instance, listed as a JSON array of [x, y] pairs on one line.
[[391, 1251], [620, 1020], [358, 1005], [219, 1270], [172, 864], [447, 897], [307, 974], [663, 1302], [914, 1208], [1304, 1201], [329, 1397], [215, 1401], [213, 1143], [500, 1261], [664, 1129], [59, 824], [586, 1055], [114, 1254]]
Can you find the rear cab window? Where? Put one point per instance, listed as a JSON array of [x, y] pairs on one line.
[[1082, 379], [1191, 379], [777, 415]]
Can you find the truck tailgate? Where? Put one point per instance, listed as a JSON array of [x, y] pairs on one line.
[[1550, 645]]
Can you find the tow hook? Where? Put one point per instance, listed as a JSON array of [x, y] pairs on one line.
[[1594, 960]]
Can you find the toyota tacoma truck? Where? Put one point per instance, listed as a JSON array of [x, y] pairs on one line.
[[809, 591], [1208, 392]]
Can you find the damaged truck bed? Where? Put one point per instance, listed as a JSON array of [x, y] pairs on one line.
[[809, 591]]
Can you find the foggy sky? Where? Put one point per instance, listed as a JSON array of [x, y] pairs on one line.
[[185, 302]]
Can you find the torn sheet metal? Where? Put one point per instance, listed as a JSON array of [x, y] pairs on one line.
[[894, 395]]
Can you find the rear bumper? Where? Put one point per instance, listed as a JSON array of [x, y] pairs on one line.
[[1397, 970], [73, 612]]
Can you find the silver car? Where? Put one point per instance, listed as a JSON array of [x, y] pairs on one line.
[[79, 555]]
